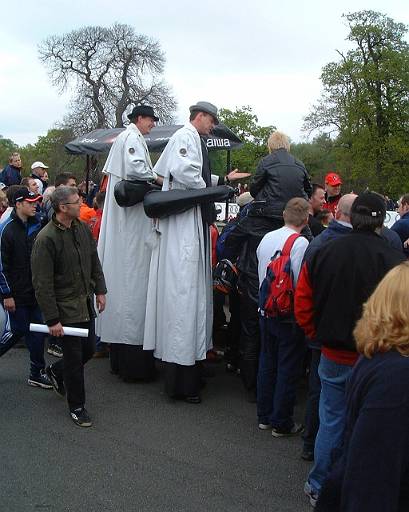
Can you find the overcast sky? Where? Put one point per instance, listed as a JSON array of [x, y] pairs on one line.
[[266, 54]]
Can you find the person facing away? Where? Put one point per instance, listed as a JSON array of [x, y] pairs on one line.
[[279, 176], [372, 469], [332, 288], [282, 341], [66, 275]]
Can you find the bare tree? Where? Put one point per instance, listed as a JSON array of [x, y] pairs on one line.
[[110, 69]]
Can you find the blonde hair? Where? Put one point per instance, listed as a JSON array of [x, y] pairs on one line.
[[296, 211], [384, 324], [278, 140]]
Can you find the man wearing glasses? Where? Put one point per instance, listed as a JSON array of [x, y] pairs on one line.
[[66, 275]]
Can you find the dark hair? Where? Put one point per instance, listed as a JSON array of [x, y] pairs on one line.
[[404, 199], [11, 192], [194, 114], [100, 199], [323, 215], [361, 222], [25, 181], [315, 187], [63, 178]]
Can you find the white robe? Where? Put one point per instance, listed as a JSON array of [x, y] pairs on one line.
[[179, 312], [123, 245]]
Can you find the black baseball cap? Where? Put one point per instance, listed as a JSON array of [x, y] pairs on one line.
[[369, 204], [23, 194]]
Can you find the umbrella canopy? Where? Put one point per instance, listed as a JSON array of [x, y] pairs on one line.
[[100, 140]]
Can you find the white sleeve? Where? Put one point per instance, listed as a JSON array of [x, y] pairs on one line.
[[185, 162], [297, 256], [136, 165]]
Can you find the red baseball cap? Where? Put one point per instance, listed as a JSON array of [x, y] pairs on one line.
[[333, 179]]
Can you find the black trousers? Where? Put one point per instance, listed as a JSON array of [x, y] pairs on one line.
[[76, 352], [249, 340], [312, 419]]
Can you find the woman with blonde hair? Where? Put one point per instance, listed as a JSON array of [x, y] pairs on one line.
[[373, 471]]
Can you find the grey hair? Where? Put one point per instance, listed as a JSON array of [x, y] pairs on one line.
[[62, 195]]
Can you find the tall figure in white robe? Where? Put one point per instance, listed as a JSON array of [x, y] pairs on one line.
[[179, 313], [125, 253]]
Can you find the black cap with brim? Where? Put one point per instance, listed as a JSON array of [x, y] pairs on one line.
[[369, 204], [23, 194], [143, 110]]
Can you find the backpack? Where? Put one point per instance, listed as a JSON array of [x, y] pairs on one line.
[[276, 296]]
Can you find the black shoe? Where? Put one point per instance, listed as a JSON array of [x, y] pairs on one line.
[[42, 381], [293, 431], [80, 417], [307, 454], [58, 383], [193, 399]]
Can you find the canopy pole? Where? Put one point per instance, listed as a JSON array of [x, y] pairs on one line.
[[228, 169], [87, 176]]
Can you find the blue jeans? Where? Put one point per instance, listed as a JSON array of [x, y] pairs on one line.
[[20, 326], [281, 356], [332, 412]]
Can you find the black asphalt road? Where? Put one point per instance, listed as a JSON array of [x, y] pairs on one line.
[[144, 453]]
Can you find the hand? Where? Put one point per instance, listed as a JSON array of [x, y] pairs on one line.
[[56, 330], [101, 302], [406, 243], [10, 305], [237, 175]]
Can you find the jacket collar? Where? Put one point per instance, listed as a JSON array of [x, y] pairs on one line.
[[60, 226], [30, 220]]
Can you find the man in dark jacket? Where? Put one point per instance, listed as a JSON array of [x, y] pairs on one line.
[[401, 226], [66, 274], [333, 286], [17, 236], [11, 174], [316, 201], [340, 226], [279, 176]]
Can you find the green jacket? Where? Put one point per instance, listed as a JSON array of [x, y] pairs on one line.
[[66, 272]]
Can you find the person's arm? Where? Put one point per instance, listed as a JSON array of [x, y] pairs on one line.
[[184, 162], [307, 184], [234, 242], [303, 303], [259, 180], [136, 165], [6, 261], [376, 460], [42, 268], [297, 256]]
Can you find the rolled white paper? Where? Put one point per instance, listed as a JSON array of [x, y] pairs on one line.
[[68, 331]]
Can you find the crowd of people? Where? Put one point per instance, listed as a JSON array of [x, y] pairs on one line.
[[311, 278]]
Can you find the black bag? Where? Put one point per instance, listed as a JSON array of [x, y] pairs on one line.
[[129, 193], [163, 204]]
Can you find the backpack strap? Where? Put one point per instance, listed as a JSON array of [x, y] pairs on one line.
[[289, 244]]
